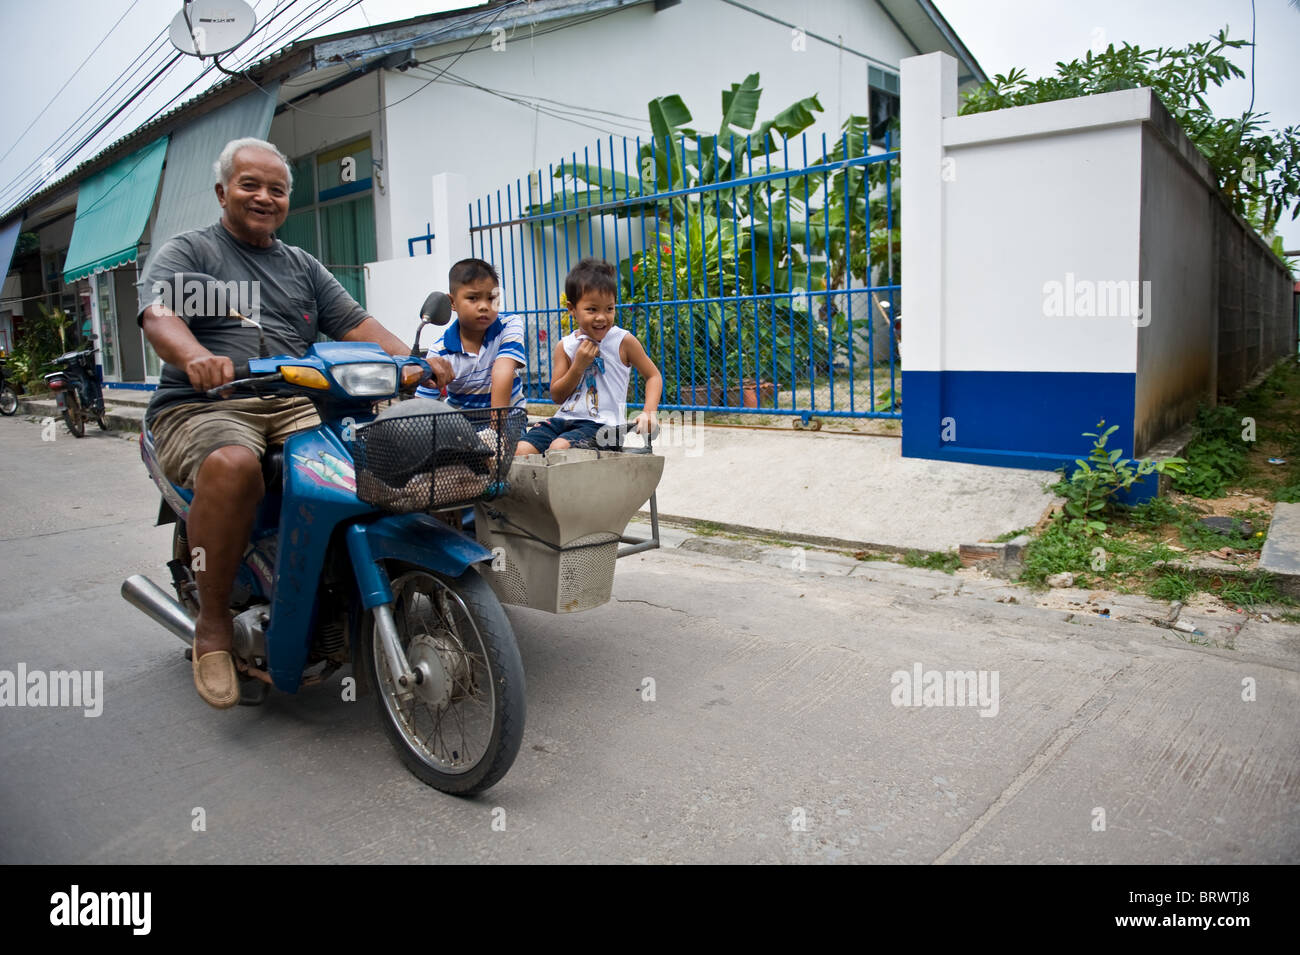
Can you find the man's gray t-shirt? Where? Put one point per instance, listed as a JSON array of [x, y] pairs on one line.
[[293, 295]]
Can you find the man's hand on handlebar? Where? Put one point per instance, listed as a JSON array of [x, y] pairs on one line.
[[209, 371], [442, 373]]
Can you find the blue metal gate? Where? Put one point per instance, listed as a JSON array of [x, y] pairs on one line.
[[757, 288]]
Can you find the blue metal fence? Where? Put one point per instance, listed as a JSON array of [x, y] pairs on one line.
[[755, 286]]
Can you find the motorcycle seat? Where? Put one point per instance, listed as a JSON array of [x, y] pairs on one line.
[[272, 462], [273, 468]]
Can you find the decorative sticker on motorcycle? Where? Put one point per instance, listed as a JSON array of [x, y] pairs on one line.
[[328, 471]]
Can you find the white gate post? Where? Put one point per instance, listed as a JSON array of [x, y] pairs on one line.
[[929, 95], [450, 219]]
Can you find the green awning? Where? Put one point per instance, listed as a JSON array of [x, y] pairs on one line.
[[113, 208]]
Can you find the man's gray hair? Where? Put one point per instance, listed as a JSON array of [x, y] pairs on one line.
[[224, 167]]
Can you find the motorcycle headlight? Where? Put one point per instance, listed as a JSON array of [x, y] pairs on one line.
[[367, 379]]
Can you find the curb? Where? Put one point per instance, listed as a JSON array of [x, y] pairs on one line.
[[119, 421]]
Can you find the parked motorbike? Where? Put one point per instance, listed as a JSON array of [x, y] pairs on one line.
[[346, 563], [77, 389], [8, 395]]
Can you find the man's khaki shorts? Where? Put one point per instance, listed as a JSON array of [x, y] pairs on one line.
[[185, 435]]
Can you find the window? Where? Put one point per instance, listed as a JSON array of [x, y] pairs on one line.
[[883, 104], [332, 212]]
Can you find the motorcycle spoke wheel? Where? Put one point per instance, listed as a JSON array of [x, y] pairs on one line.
[[72, 415], [8, 401], [460, 729]]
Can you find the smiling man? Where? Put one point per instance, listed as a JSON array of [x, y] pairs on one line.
[[215, 445]]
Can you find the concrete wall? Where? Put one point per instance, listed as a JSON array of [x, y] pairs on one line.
[[1257, 322], [1069, 262], [1176, 351], [1014, 343]]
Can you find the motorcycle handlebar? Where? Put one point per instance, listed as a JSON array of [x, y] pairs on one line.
[[243, 378]]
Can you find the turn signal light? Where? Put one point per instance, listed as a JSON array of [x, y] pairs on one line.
[[304, 377], [411, 375]]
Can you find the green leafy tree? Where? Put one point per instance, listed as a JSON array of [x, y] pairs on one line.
[[42, 340]]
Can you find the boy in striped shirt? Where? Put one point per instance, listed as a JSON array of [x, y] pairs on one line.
[[486, 352]]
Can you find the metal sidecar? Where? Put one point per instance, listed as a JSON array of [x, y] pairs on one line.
[[557, 532]]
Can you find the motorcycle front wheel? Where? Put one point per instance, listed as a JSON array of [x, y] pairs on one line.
[[8, 401], [460, 729], [72, 415]]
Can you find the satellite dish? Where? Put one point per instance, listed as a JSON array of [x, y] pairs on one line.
[[212, 27]]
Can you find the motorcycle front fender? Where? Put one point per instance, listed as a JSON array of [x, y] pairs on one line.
[[417, 539]]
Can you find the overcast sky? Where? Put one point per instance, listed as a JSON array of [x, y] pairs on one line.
[[49, 41]]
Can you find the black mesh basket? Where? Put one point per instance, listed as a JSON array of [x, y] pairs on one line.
[[429, 462]]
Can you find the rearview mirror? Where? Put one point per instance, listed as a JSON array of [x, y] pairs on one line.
[[436, 309]]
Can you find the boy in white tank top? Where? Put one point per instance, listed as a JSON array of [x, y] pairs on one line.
[[591, 368]]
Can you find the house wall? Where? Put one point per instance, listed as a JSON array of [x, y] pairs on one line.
[[616, 63], [57, 235], [346, 113], [10, 293]]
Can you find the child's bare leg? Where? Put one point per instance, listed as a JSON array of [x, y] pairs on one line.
[[559, 444], [525, 448]]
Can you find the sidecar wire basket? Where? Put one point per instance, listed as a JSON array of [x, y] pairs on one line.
[[437, 461]]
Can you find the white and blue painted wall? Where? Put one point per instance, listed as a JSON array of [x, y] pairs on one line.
[[1060, 264]]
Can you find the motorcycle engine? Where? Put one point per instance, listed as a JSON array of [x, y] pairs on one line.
[[250, 632]]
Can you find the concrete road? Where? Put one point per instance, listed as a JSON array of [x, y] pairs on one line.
[[774, 733]]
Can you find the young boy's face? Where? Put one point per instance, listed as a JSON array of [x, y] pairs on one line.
[[594, 314], [476, 304]]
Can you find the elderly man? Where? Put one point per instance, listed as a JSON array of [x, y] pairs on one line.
[[215, 445]]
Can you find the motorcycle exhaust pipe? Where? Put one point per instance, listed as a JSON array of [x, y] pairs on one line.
[[146, 596]]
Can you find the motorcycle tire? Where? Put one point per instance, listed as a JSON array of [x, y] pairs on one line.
[[72, 415], [8, 401], [456, 627]]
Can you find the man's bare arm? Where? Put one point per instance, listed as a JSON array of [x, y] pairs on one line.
[[175, 344]]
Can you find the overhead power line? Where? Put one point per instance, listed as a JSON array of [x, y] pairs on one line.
[[72, 77], [22, 193]]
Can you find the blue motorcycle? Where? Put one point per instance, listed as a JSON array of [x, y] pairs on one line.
[[357, 556]]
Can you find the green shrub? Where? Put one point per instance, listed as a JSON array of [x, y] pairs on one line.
[[1217, 455], [1090, 490]]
